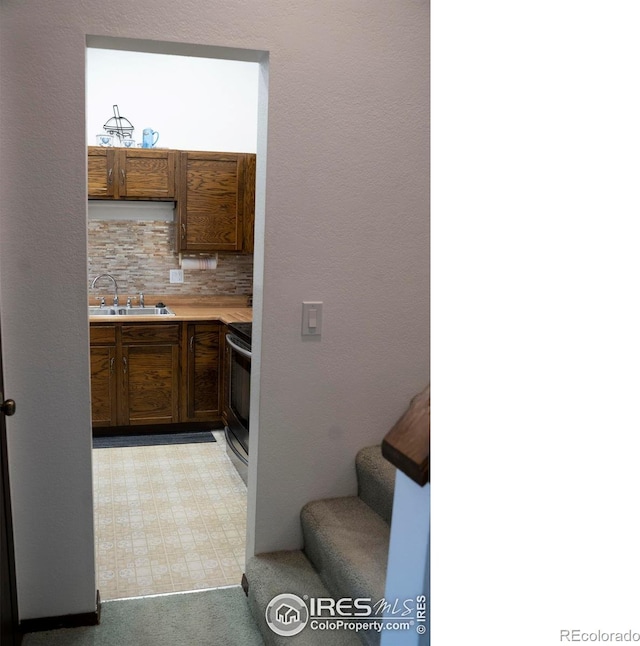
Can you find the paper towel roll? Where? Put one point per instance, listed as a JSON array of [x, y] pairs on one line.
[[199, 263]]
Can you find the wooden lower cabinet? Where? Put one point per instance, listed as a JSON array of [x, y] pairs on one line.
[[135, 374], [103, 376], [150, 374], [224, 375], [155, 373], [202, 373]]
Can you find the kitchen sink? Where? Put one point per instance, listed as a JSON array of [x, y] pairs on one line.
[[130, 311], [101, 311]]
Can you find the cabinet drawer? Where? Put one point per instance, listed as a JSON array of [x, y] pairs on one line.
[[102, 335], [151, 333]]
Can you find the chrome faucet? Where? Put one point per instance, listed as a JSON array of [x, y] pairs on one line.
[[115, 285]]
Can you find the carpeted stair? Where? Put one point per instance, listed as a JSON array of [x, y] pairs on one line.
[[376, 480], [346, 541]]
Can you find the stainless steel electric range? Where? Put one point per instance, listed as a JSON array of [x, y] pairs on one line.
[[238, 395]]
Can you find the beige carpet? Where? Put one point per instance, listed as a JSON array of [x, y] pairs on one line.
[[206, 618]]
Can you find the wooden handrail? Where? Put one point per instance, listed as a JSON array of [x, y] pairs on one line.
[[407, 444]]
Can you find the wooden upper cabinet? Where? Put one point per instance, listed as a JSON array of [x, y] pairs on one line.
[[122, 173], [215, 192], [211, 202], [101, 172], [147, 173], [249, 202]]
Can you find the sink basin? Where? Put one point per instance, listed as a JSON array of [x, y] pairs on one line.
[[130, 311], [145, 311], [101, 311]]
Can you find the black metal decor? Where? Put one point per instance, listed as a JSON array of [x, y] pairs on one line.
[[119, 126]]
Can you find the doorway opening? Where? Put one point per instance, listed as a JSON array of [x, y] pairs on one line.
[[170, 518]]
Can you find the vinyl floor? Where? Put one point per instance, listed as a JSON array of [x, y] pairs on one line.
[[167, 519]]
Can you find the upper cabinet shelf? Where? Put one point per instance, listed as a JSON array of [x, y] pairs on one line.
[[214, 191]]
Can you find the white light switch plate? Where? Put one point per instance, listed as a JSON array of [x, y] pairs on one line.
[[311, 318], [176, 276]]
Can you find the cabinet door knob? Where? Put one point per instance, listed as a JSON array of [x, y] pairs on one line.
[[184, 230], [124, 361], [8, 407], [113, 360], [191, 342]]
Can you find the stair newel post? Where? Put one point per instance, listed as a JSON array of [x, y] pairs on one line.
[[407, 446]]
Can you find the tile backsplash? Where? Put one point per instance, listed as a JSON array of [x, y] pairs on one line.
[[139, 254]]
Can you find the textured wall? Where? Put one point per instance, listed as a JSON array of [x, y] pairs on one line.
[[342, 216], [140, 254]]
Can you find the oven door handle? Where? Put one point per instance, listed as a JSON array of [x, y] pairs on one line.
[[237, 348]]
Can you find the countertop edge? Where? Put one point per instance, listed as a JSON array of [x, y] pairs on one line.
[[184, 313]]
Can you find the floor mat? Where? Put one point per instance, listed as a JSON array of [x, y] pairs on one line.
[[119, 441]]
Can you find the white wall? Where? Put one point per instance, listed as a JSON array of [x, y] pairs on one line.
[[345, 221], [214, 109]]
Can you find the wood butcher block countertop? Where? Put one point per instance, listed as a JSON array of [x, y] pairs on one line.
[[226, 309]]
